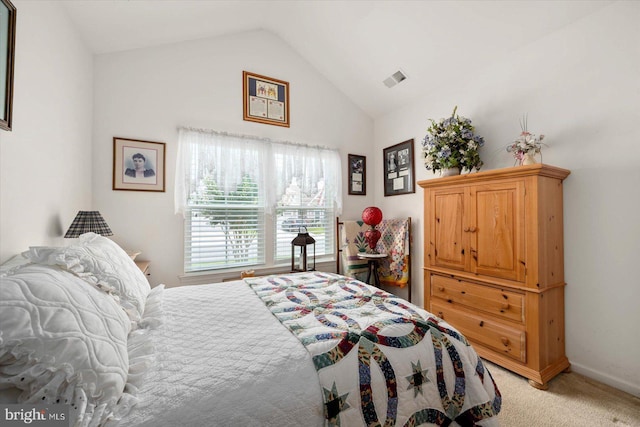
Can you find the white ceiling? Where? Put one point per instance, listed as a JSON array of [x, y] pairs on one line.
[[354, 44]]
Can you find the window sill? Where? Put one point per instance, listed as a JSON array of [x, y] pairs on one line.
[[204, 277]]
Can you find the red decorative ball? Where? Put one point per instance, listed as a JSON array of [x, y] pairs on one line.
[[372, 216]]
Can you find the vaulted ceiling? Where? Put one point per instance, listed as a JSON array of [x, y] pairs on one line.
[[355, 44]]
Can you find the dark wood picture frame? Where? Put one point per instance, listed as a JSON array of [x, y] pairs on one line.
[[126, 153], [399, 173], [7, 60], [265, 99], [357, 171]]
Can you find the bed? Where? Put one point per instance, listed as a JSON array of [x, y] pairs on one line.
[[81, 327]]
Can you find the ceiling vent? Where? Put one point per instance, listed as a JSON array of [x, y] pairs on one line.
[[395, 78]]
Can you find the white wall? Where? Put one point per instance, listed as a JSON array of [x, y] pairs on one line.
[[581, 88], [146, 94], [45, 162]]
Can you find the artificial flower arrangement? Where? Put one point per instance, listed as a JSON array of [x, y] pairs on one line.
[[451, 143], [526, 145]]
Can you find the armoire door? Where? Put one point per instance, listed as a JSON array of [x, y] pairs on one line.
[[496, 229], [448, 244]]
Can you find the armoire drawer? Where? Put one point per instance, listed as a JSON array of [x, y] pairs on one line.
[[495, 301], [505, 339]]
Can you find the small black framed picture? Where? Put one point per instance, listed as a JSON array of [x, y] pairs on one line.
[[357, 175], [399, 174]]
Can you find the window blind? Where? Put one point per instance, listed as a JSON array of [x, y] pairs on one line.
[[240, 193]]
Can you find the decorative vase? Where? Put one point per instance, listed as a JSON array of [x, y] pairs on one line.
[[372, 236], [528, 159], [449, 171]]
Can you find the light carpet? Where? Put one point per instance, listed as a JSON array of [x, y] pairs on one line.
[[572, 400]]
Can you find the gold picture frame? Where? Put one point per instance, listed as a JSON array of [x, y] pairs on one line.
[[138, 165], [7, 55], [265, 99]]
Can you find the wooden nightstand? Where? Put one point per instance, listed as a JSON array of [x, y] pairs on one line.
[[144, 267]]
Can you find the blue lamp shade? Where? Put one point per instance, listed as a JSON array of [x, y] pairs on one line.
[[86, 222]]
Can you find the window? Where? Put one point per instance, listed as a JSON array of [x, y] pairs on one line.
[[244, 199]]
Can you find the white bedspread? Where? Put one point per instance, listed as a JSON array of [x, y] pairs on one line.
[[223, 359], [241, 373]]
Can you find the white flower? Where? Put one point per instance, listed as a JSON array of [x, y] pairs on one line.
[[525, 143]]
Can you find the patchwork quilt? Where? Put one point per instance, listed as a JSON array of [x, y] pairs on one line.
[[381, 360], [394, 241], [352, 243]]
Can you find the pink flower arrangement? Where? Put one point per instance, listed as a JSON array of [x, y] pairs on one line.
[[526, 144]]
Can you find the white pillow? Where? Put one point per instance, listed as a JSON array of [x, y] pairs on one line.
[[62, 341], [104, 264]]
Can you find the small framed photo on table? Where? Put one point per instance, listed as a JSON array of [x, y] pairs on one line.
[[399, 175], [138, 165], [265, 99], [357, 175]]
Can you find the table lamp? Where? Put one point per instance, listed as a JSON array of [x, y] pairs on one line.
[[88, 221], [372, 216]]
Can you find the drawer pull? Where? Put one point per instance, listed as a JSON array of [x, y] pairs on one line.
[[481, 323], [504, 340], [440, 288]]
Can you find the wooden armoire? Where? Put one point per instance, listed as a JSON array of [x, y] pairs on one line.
[[494, 264]]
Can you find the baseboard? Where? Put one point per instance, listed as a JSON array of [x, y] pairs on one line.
[[614, 382]]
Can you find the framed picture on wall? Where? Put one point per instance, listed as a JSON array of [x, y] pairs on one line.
[[357, 175], [138, 165], [7, 57], [399, 175], [265, 99]]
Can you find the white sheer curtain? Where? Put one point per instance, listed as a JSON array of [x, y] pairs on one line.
[[316, 171], [225, 158], [274, 166]]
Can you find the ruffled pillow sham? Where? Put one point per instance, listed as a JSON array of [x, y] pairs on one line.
[[13, 264], [101, 262], [62, 341]]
